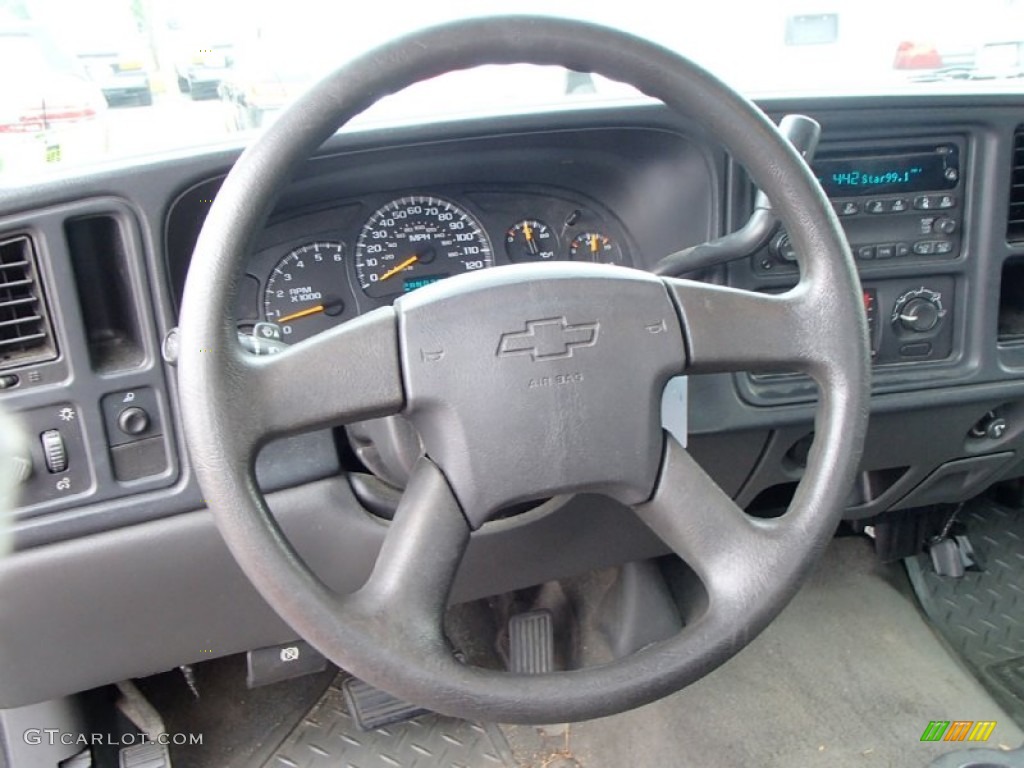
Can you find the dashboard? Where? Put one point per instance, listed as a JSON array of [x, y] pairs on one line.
[[478, 203], [928, 189]]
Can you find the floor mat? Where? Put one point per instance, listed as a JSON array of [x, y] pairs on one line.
[[981, 616], [240, 727], [329, 738]]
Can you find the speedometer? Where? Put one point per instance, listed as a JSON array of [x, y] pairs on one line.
[[415, 241]]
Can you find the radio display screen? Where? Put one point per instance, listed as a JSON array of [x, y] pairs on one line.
[[914, 171]]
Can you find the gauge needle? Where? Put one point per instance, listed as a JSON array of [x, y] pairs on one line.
[[404, 265], [301, 313], [528, 232]]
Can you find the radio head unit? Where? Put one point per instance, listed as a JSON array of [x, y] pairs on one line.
[[895, 203], [925, 169]]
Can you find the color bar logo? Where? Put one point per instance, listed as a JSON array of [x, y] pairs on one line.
[[958, 730]]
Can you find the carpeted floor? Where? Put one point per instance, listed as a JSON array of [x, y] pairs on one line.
[[849, 675]]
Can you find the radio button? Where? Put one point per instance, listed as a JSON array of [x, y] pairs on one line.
[[885, 251], [899, 205], [924, 247], [847, 208], [866, 252], [934, 202], [942, 247], [902, 249], [875, 206]]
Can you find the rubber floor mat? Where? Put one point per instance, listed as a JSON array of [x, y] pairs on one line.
[[328, 738], [981, 616]]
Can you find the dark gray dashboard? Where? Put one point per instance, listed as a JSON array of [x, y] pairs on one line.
[[129, 544], [609, 180]]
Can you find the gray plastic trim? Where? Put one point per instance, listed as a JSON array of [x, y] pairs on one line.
[[146, 598]]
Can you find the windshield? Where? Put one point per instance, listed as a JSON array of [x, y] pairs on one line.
[[99, 81]]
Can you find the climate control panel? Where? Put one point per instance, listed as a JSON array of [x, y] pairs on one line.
[[911, 321], [908, 323]]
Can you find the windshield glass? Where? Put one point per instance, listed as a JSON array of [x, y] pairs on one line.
[[103, 80]]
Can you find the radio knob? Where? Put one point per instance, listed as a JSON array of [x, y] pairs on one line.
[[919, 315], [944, 225]]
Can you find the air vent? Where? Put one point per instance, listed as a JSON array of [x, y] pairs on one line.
[[24, 327], [1015, 224]]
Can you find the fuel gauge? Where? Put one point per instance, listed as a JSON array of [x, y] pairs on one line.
[[530, 240], [595, 246]]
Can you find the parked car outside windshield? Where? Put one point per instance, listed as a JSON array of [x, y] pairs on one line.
[[199, 74], [51, 113]]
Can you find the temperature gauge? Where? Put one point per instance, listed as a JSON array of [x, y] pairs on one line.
[[595, 246]]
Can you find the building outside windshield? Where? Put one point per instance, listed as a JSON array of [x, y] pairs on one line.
[[110, 81]]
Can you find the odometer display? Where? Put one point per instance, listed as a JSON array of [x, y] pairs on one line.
[[414, 241]]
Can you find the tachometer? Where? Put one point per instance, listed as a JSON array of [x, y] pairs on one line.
[[414, 241], [305, 292]]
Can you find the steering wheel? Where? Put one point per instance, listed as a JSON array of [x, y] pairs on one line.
[[525, 382]]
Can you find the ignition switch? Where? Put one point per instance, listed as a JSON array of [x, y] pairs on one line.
[[990, 426]]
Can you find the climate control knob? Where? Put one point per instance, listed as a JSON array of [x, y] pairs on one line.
[[919, 316], [918, 311]]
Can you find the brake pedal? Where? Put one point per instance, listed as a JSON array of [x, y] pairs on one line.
[[148, 755], [531, 638], [372, 708]]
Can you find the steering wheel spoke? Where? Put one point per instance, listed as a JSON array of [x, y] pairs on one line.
[[705, 527], [348, 373], [416, 567], [733, 330]]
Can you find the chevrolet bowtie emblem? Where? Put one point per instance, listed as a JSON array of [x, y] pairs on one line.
[[551, 339]]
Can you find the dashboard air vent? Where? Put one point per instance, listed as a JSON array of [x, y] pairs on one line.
[[25, 335], [1015, 224]]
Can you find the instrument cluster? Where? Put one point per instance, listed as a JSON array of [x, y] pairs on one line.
[[359, 256]]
